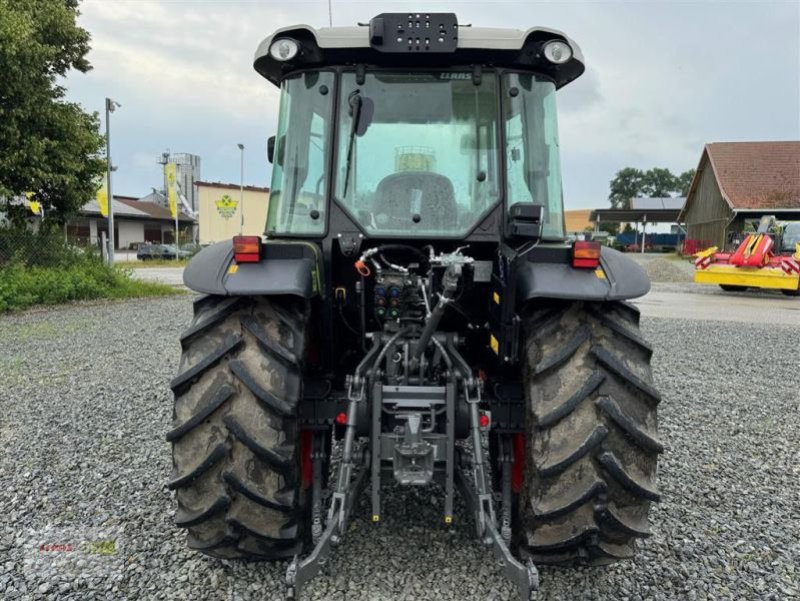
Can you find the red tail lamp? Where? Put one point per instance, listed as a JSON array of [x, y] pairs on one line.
[[585, 254], [246, 249]]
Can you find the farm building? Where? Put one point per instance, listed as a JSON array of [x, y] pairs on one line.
[[738, 182], [220, 216], [134, 222], [577, 221]]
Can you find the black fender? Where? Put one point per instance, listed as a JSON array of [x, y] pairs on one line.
[[618, 278], [286, 267]]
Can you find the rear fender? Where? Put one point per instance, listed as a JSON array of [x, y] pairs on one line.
[[286, 268], [618, 278]]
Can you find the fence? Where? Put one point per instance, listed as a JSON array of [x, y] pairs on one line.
[[40, 248], [54, 247], [692, 246], [662, 242]]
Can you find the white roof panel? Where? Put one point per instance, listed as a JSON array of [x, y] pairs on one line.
[[645, 203]]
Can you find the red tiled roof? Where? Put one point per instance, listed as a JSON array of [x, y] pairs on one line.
[[230, 186], [155, 211], [757, 175]]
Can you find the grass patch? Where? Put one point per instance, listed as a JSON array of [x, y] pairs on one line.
[[41, 268], [22, 286], [152, 263]]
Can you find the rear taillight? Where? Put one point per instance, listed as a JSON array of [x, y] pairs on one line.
[[246, 249], [585, 255]]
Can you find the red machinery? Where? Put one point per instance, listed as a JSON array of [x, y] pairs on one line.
[[755, 263]]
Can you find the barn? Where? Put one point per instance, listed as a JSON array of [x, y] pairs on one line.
[[738, 182]]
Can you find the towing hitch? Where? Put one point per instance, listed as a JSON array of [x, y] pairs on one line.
[[356, 464]]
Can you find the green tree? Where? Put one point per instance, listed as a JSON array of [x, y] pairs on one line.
[[684, 180], [627, 184], [51, 147], [630, 182], [658, 182]]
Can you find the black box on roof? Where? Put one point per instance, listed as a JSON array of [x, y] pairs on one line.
[[414, 32]]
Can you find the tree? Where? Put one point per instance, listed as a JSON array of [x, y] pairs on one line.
[[684, 180], [627, 184], [630, 182], [50, 147], [658, 182]]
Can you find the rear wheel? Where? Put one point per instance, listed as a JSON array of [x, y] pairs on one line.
[[235, 444], [592, 443]]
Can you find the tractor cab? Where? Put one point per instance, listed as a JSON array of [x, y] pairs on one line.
[[415, 127]]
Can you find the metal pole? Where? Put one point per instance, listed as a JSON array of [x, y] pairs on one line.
[[111, 241], [330, 14], [165, 158], [241, 190], [177, 210], [644, 232]]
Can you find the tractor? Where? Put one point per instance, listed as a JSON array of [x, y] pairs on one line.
[[414, 310]]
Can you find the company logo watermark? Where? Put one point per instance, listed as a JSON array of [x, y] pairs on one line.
[[87, 547], [71, 548]]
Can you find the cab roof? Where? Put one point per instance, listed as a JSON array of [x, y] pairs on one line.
[[338, 46]]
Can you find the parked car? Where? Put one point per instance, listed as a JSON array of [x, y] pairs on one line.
[[166, 252], [193, 248], [171, 249]]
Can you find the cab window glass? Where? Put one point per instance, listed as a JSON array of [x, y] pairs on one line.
[[533, 169], [299, 171]]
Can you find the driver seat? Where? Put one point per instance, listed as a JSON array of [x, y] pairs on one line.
[[400, 196]]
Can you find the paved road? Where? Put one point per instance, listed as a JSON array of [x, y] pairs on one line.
[[677, 301], [693, 301], [166, 275]]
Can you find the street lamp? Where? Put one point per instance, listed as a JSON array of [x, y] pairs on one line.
[[241, 189], [111, 105]]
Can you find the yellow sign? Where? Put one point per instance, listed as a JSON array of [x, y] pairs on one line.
[[34, 205], [226, 206], [416, 159], [102, 198], [171, 175]]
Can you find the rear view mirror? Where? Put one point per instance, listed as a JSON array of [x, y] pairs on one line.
[[525, 220], [270, 148]]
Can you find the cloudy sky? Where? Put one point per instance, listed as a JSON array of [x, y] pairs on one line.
[[662, 79]]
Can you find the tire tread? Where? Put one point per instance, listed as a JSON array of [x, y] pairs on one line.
[[591, 464]]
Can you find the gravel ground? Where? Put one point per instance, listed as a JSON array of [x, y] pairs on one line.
[[665, 268], [86, 405]]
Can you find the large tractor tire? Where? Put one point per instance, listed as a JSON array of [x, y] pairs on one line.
[[235, 441], [591, 441]]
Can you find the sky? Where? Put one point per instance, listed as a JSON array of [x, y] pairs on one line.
[[662, 80]]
